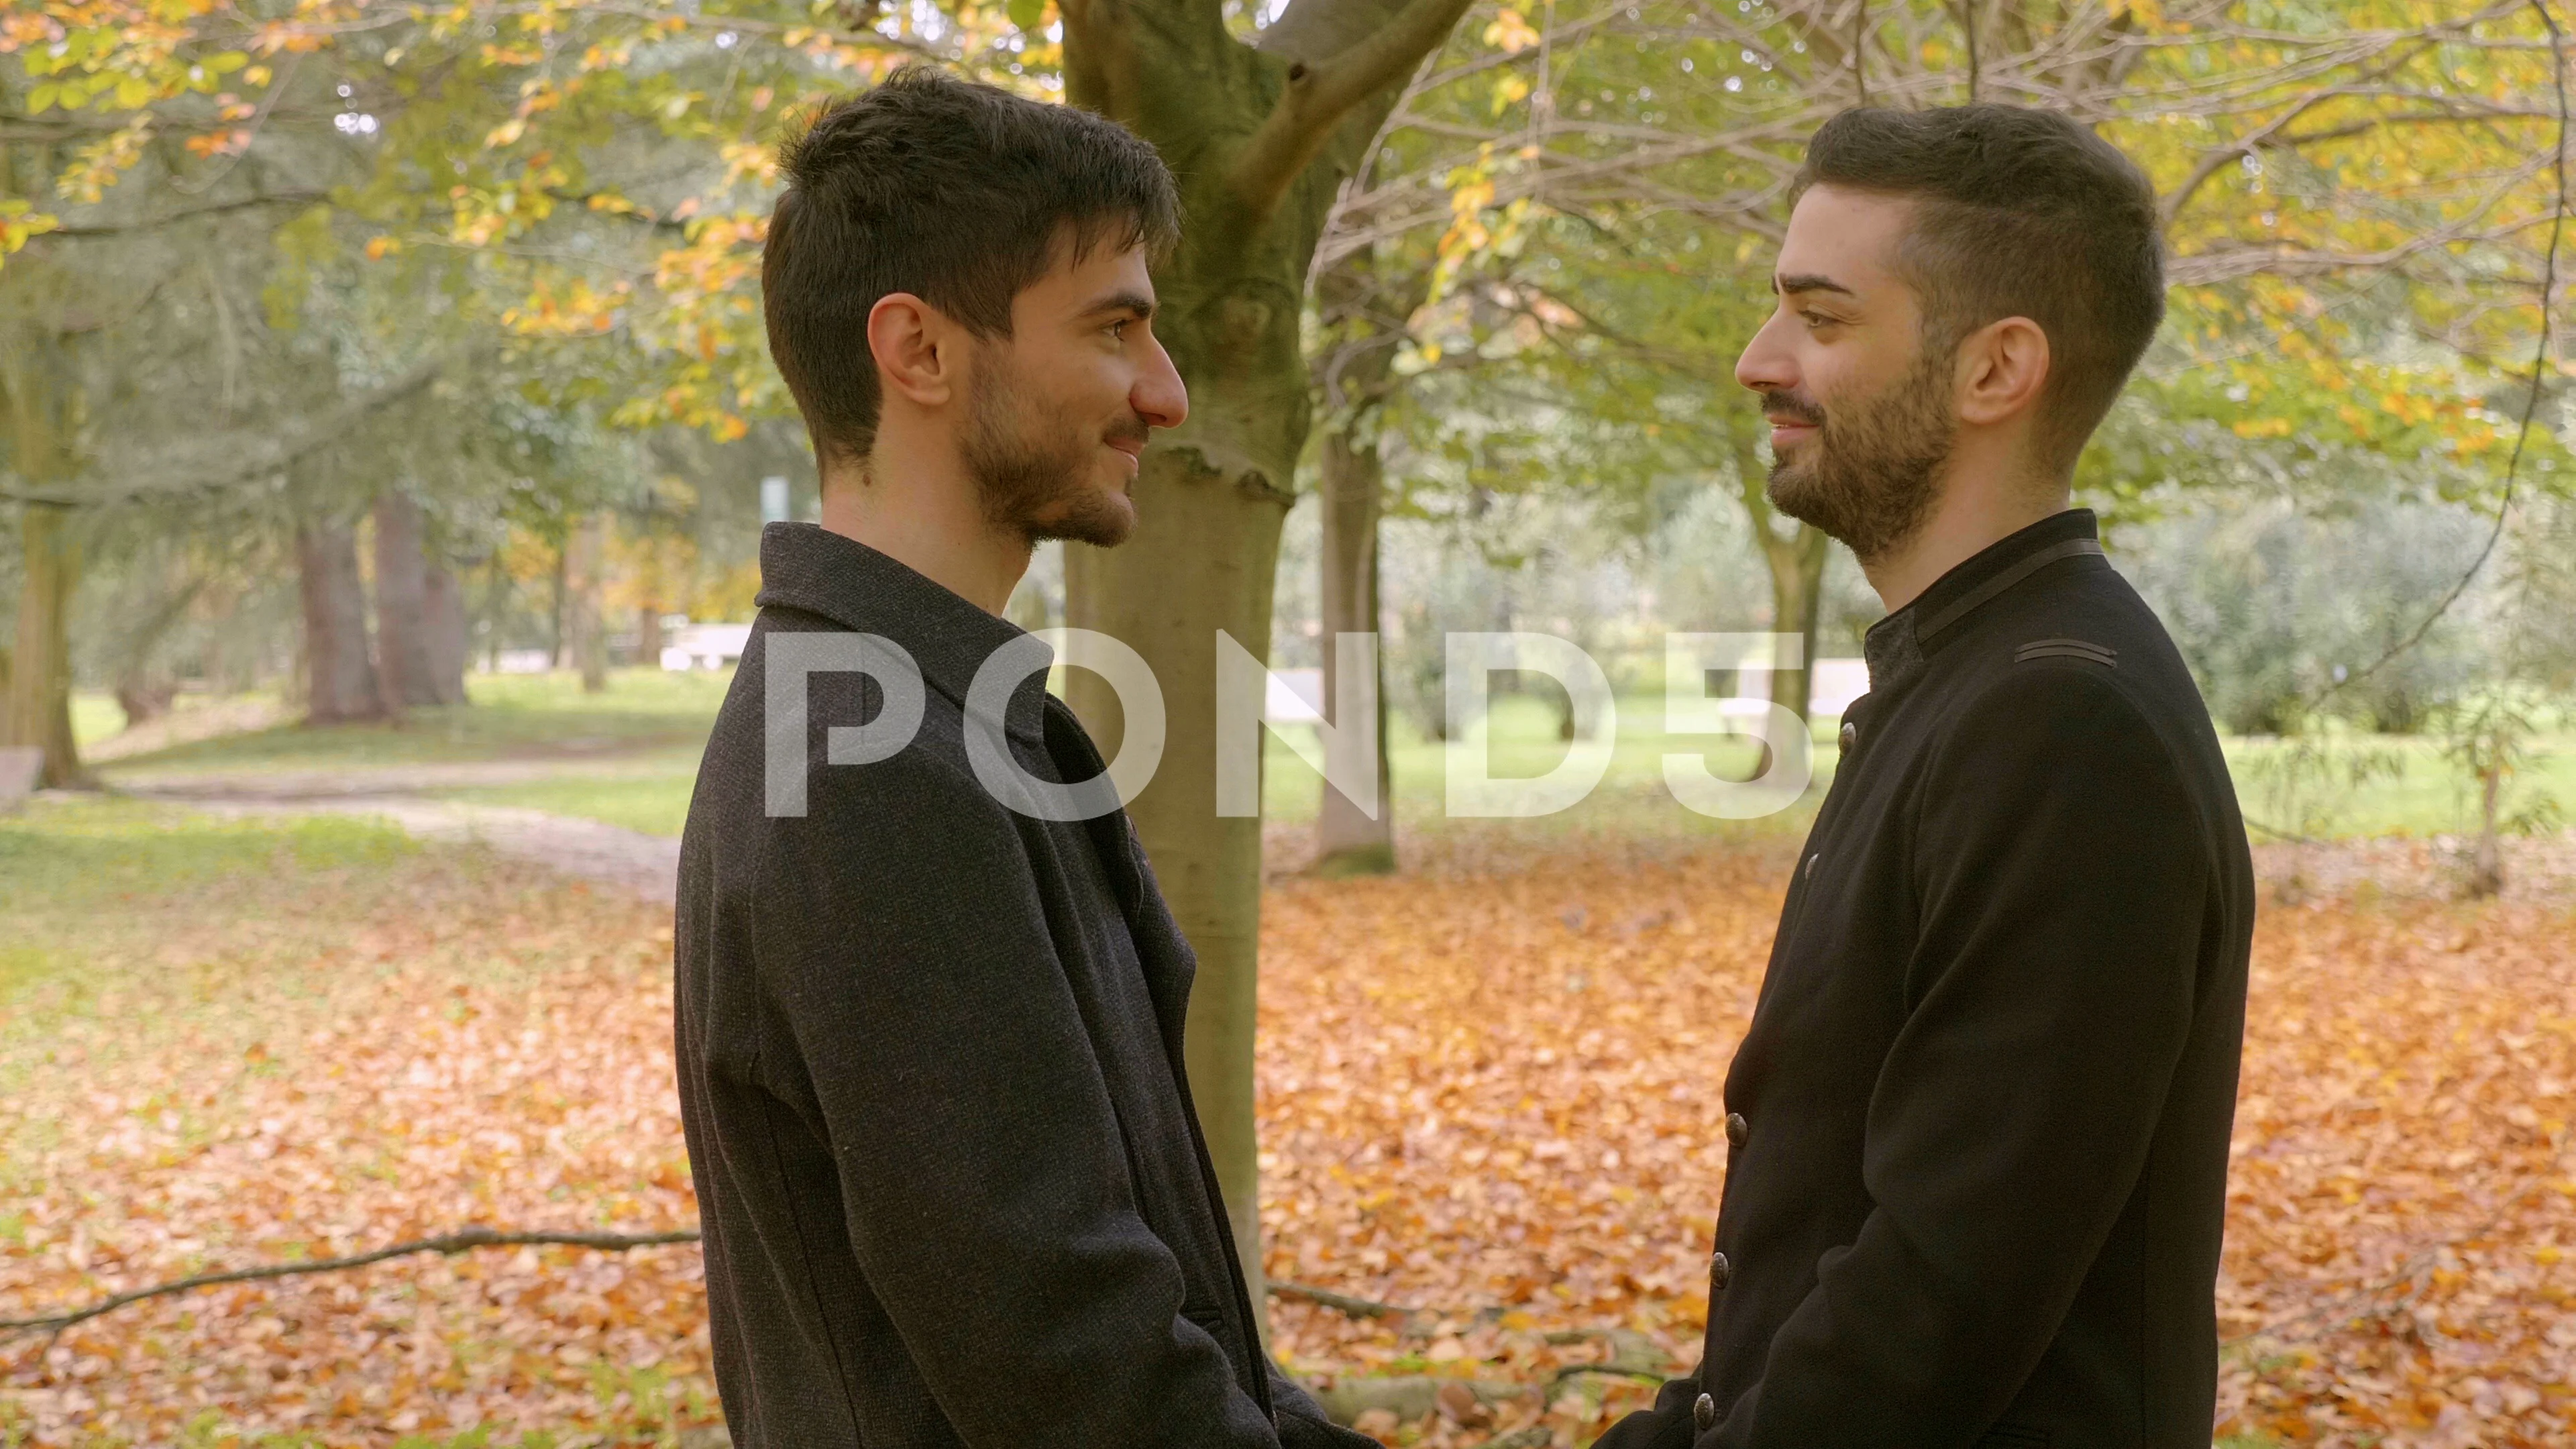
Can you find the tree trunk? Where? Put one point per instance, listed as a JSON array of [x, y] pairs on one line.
[[1210, 546], [444, 633], [340, 679], [558, 624], [143, 698], [1365, 316], [403, 652], [1796, 563], [40, 673], [648, 635], [496, 611], [1260, 139], [586, 620], [1350, 489], [44, 415]]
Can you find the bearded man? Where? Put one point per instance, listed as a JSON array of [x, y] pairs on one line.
[[1978, 1127], [929, 1044]]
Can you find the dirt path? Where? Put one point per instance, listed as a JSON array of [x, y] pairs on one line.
[[370, 781], [587, 850]]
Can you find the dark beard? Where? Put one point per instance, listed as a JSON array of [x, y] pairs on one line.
[[1030, 464], [1867, 476]]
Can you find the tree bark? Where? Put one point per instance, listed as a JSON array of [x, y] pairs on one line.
[[1259, 139], [1365, 315], [558, 626], [43, 414], [403, 653], [1796, 562], [340, 678], [40, 673], [586, 619], [648, 635], [1350, 488], [444, 633]]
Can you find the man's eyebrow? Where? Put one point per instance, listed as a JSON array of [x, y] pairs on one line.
[[1135, 304], [1809, 282]]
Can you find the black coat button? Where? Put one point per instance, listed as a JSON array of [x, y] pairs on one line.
[[1850, 737], [1704, 1413], [1737, 1129], [1719, 1270]]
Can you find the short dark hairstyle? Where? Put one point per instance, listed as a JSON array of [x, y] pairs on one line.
[[955, 192], [2022, 213]]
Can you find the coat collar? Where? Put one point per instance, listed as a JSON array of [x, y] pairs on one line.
[[1897, 645], [809, 568]]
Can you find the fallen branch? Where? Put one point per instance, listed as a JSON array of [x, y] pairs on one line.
[[471, 1238], [1355, 1307], [457, 1242], [1632, 1355]]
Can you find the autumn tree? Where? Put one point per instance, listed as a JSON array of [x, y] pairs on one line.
[[2356, 198]]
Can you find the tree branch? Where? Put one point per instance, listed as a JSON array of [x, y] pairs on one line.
[[1342, 1302], [468, 1239], [190, 213], [259, 460], [457, 1242], [1321, 93]]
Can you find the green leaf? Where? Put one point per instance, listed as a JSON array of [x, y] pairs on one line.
[[41, 99], [1028, 14]]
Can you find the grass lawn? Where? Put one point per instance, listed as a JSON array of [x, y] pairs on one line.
[[2406, 785], [95, 717], [653, 796], [511, 716], [630, 757], [2414, 790]]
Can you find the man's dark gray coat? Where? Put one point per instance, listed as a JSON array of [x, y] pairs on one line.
[[929, 1051], [1979, 1123]]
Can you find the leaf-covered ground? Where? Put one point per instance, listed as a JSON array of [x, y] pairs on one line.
[[1489, 1093]]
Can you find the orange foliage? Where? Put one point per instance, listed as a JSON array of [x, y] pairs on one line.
[[1487, 1091]]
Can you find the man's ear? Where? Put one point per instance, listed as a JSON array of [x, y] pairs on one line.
[[918, 351], [2002, 368]]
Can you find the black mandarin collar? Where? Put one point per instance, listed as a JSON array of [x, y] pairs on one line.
[[1896, 646], [808, 567]]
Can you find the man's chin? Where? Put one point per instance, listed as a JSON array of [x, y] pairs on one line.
[[1792, 490], [1104, 519]]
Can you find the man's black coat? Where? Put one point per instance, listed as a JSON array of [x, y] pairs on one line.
[[1980, 1119], [929, 1051]]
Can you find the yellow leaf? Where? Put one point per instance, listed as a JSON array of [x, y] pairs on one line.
[[1510, 32]]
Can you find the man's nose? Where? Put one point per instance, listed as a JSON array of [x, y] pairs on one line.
[[1766, 365], [1160, 396]]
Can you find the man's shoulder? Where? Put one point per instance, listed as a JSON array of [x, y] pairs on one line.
[[770, 784], [2086, 643], [2081, 685]]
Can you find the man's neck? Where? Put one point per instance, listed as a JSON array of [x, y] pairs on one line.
[[925, 514], [1972, 516]]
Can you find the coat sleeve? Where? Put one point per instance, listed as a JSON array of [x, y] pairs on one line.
[[984, 1183], [2062, 875]]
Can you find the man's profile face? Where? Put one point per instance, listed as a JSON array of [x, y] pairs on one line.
[[1861, 417], [1058, 412]]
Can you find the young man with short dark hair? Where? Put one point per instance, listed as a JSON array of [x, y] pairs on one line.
[[929, 1046], [1979, 1124]]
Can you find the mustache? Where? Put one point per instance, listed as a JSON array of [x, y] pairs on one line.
[[1131, 429], [1780, 404]]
